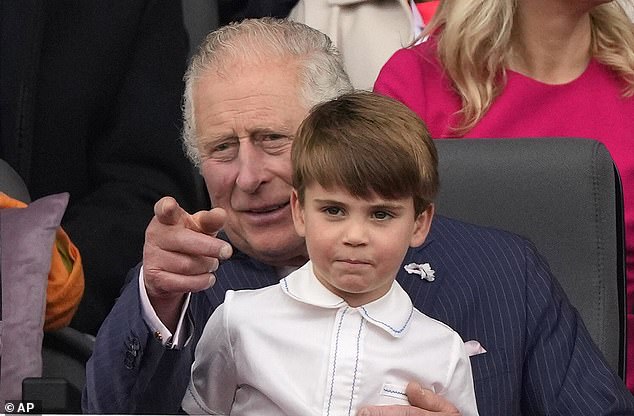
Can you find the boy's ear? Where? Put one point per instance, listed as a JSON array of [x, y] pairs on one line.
[[422, 226], [298, 214]]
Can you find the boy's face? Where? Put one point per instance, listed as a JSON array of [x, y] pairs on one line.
[[357, 245]]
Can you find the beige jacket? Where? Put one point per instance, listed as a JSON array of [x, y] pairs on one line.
[[366, 32]]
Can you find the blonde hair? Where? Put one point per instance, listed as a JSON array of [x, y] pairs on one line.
[[364, 143], [315, 59], [474, 46]]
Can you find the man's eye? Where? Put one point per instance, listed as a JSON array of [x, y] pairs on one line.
[[274, 143], [272, 137], [222, 151]]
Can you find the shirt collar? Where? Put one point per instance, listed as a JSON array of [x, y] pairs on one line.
[[392, 312]]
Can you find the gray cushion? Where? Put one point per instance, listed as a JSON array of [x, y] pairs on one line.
[[26, 240], [562, 193]]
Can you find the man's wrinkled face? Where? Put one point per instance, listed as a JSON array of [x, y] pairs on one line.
[[245, 124]]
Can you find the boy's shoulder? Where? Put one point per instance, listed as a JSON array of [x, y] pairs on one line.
[[263, 295], [432, 328]]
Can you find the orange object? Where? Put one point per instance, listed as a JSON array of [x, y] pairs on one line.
[[65, 278], [427, 9]]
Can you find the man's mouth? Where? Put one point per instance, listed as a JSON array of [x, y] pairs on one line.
[[267, 215], [267, 209]]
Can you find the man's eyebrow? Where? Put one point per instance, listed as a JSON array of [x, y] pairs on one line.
[[218, 137], [279, 129], [254, 132]]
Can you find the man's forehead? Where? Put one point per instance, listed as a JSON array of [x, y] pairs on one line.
[[246, 107], [255, 109], [229, 66], [247, 83]]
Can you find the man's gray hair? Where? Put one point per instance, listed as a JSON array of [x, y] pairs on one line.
[[321, 73]]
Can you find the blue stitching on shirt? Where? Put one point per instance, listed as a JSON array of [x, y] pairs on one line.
[[356, 366], [334, 362], [394, 391], [398, 331]]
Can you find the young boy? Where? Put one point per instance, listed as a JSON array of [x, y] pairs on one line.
[[339, 333]]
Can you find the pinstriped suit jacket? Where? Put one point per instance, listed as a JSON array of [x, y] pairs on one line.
[[490, 286]]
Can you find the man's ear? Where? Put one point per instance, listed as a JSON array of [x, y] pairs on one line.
[[298, 214], [422, 226]]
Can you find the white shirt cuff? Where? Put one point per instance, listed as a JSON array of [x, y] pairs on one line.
[[159, 330]]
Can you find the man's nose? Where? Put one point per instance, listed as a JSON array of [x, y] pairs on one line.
[[251, 171]]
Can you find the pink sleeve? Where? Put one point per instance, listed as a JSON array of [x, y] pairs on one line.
[[401, 78]]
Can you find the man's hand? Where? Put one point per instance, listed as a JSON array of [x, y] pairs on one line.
[[180, 254], [423, 403]]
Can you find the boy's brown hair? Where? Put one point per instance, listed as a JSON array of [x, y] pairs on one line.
[[365, 143]]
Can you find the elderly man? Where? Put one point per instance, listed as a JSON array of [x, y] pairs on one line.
[[247, 90]]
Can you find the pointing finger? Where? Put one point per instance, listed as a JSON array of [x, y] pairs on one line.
[[167, 211]]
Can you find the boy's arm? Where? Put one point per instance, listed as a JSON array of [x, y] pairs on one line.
[[459, 388], [212, 384]]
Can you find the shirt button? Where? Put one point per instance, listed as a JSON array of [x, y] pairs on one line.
[[157, 335]]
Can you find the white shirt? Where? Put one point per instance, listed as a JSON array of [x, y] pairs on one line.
[[296, 348]]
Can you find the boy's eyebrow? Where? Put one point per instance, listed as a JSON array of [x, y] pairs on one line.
[[328, 202], [382, 205], [388, 207]]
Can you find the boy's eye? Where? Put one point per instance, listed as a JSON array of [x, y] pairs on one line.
[[334, 211], [382, 215]]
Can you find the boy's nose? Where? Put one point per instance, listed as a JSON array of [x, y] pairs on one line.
[[356, 233]]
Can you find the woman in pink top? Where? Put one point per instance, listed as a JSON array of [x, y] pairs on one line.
[[528, 68]]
